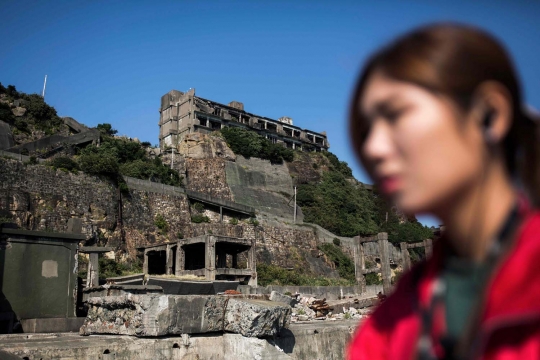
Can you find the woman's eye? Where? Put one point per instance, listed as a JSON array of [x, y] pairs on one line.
[[393, 116]]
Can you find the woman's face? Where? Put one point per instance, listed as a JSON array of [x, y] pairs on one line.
[[419, 150]]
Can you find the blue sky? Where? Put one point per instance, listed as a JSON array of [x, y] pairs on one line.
[[111, 61]]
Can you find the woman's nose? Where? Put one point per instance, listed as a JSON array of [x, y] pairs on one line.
[[378, 145]]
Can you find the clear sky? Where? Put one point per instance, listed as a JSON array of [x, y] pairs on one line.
[[111, 61]]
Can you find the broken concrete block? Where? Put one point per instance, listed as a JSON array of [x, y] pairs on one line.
[[159, 315], [256, 318], [275, 296]]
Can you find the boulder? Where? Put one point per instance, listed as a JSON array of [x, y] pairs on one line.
[[275, 296], [18, 111]]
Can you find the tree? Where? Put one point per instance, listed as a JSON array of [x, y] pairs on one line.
[[106, 129]]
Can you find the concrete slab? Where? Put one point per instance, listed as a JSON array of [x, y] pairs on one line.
[[160, 315]]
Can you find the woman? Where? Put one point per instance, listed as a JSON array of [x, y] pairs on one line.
[[437, 121]]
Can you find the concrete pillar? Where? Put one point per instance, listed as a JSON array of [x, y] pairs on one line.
[[428, 247], [169, 260], [180, 259], [359, 263], [145, 262], [92, 278], [405, 256], [210, 258], [385, 262], [252, 264]]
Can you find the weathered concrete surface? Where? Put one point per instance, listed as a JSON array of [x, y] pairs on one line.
[[311, 341], [159, 315], [322, 340], [256, 318], [6, 137], [276, 296]]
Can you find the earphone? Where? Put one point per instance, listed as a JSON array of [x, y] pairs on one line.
[[487, 131]]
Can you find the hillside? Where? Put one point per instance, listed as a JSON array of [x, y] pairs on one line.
[[90, 180]]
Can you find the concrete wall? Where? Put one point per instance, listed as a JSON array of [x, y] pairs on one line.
[[38, 274], [314, 341]]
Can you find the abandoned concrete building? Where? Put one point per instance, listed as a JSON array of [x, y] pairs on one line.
[[210, 256], [184, 113]]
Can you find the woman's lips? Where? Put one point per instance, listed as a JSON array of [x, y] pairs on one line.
[[389, 184]]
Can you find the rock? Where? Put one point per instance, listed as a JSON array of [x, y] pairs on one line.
[[255, 318], [6, 137], [18, 111], [275, 296], [159, 315], [303, 318], [202, 146]]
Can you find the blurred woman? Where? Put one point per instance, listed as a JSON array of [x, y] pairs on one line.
[[437, 120]]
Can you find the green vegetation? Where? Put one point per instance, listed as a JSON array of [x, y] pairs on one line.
[[344, 264], [198, 218], [198, 207], [39, 115], [338, 205], [233, 221], [274, 275], [253, 221], [336, 242], [161, 224], [120, 156], [250, 144], [373, 279], [111, 268], [64, 163]]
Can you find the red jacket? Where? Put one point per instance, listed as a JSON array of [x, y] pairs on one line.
[[509, 327]]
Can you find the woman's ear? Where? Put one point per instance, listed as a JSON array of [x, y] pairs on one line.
[[494, 106]]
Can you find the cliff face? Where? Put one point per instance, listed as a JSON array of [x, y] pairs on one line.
[[37, 197], [40, 198]]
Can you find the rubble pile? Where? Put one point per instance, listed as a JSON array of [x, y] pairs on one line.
[[310, 308]]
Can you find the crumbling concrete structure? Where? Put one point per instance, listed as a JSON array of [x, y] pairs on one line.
[[204, 256], [184, 113], [160, 315]]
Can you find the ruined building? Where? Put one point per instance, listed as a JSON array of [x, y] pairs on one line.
[[184, 113]]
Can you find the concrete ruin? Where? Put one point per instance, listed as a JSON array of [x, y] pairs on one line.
[[184, 113], [153, 315], [204, 256]]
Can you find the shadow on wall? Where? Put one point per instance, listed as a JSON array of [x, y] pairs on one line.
[[8, 319]]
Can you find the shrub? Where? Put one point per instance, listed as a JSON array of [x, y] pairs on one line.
[[344, 264], [180, 235], [373, 279], [268, 274], [106, 129], [250, 144], [336, 242], [32, 161], [161, 223], [198, 218], [99, 164], [63, 162], [198, 207], [253, 221], [233, 221]]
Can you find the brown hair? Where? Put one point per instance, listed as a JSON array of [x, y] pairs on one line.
[[453, 60]]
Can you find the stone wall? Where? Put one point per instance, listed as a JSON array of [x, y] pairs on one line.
[[40, 198], [208, 176]]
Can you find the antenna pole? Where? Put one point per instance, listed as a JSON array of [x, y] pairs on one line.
[[44, 85], [295, 204]]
